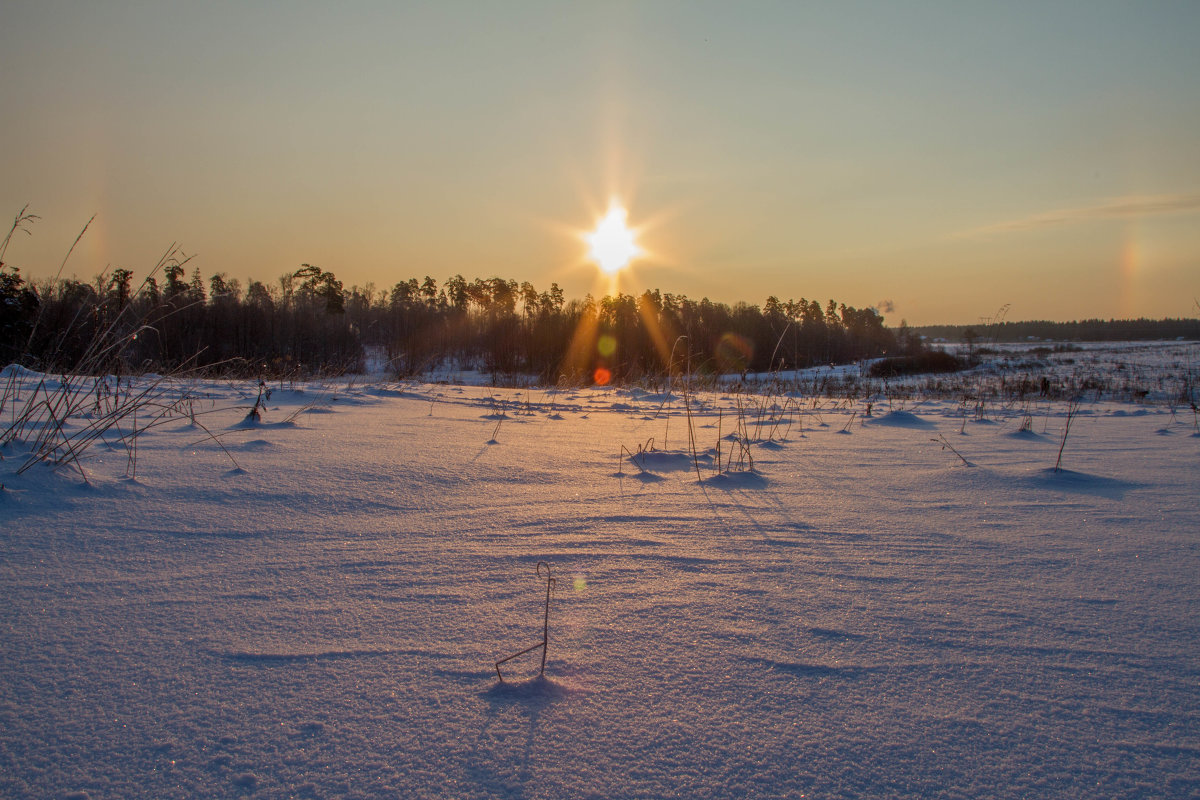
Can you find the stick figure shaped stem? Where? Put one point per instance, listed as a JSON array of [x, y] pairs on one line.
[[545, 643]]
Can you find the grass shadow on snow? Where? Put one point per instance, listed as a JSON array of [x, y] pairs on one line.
[[737, 480], [1082, 483], [538, 691], [643, 477], [667, 460], [250, 423]]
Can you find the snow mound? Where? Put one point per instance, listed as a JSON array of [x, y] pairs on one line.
[[901, 419], [21, 373], [667, 460]]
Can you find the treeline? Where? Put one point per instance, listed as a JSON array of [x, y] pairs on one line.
[[1088, 330], [308, 323]]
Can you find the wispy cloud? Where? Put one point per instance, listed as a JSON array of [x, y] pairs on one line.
[[1114, 208]]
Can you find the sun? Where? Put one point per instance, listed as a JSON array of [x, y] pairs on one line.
[[611, 245]]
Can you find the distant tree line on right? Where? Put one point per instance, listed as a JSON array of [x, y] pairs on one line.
[[1088, 330]]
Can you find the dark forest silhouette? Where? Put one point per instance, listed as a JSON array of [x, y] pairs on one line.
[[308, 323]]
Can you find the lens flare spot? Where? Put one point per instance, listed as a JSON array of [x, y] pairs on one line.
[[606, 345], [580, 583], [734, 352], [601, 376]]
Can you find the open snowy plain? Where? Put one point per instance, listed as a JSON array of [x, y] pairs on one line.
[[311, 604]]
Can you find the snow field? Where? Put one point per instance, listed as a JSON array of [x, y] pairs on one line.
[[862, 616]]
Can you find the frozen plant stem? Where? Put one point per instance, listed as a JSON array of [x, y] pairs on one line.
[[720, 419], [941, 439], [545, 643], [632, 459], [1072, 409], [667, 395], [687, 410]]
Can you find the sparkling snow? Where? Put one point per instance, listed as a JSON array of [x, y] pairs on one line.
[[311, 605]]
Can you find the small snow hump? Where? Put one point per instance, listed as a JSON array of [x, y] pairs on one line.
[[901, 419]]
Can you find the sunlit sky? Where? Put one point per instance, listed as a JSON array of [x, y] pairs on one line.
[[939, 159]]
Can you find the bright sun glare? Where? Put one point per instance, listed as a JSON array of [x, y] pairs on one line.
[[611, 244]]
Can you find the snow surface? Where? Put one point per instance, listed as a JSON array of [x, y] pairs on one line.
[[313, 606]]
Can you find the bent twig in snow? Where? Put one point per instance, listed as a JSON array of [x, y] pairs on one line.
[[545, 642]]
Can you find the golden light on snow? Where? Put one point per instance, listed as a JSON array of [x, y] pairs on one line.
[[611, 245]]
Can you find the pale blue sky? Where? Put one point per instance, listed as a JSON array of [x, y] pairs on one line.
[[948, 157]]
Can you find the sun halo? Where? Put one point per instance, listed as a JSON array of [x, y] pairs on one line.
[[611, 245]]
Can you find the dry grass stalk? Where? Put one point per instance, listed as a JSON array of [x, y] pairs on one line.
[[1072, 410], [545, 643], [941, 439]]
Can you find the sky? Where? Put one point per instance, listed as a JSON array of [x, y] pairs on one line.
[[938, 160]]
